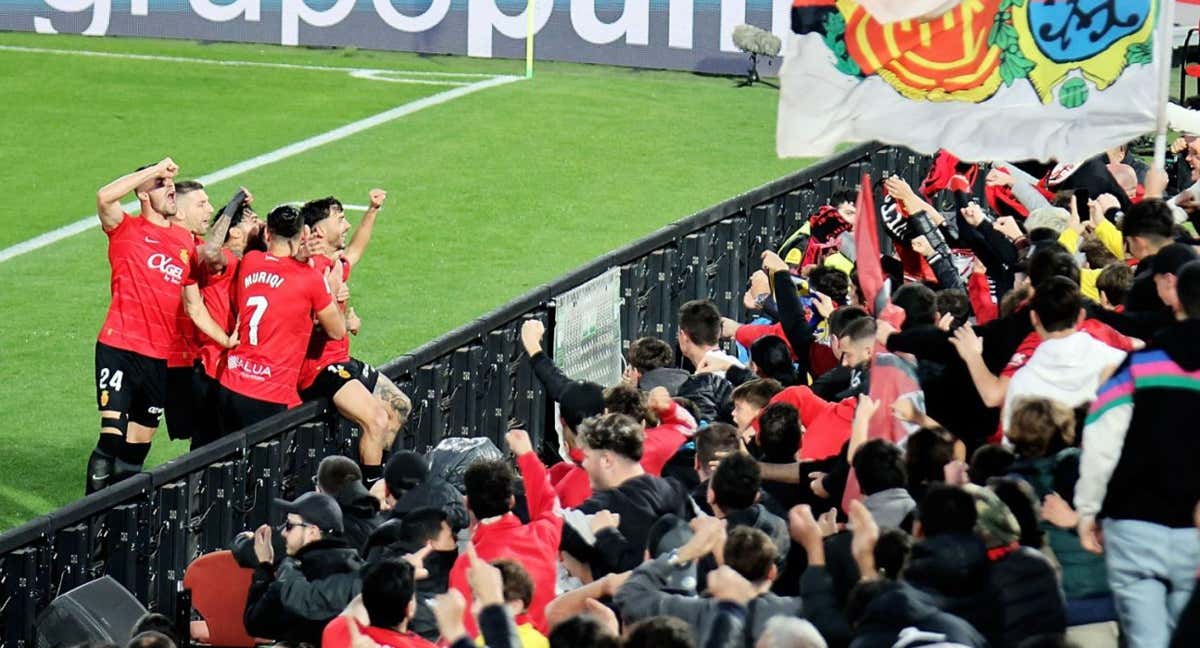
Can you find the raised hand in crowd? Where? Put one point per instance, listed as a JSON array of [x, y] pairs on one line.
[[1007, 225], [772, 263], [532, 332], [865, 535]]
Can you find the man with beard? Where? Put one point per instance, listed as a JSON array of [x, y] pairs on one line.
[[212, 295], [355, 388], [150, 260], [184, 406]]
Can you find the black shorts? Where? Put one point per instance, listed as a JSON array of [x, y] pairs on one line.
[[183, 402], [237, 412], [130, 383], [207, 427], [335, 376]]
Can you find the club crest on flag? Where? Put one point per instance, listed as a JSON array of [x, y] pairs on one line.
[[970, 51]]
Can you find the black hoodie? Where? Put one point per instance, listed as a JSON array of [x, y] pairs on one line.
[[903, 613], [640, 502], [1155, 479], [295, 601], [953, 569], [360, 514]]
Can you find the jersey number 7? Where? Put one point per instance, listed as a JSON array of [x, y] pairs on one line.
[[259, 304]]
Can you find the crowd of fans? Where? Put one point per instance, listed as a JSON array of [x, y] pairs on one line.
[[991, 448]]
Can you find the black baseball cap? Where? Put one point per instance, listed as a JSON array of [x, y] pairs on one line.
[[317, 509], [1171, 258], [405, 471], [580, 400]]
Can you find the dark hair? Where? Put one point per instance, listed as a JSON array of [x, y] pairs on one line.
[[1018, 495], [779, 432], [1150, 219], [830, 281], [581, 631], [627, 400], [1114, 282], [843, 195], [1051, 260], [713, 439], [649, 353], [660, 632], [153, 621], [151, 639], [990, 460], [758, 392], [1097, 253], [860, 329], [422, 525], [842, 317], [918, 302], [518, 586], [315, 211], [1057, 303], [1187, 288], [891, 552], [700, 320], [879, 466], [335, 472], [926, 454], [615, 433], [774, 359], [947, 509], [489, 487], [387, 589], [750, 552], [954, 302], [285, 222], [736, 481], [184, 187]]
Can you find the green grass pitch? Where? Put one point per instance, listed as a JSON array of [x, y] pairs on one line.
[[489, 194]]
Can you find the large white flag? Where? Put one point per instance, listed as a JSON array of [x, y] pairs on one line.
[[985, 79]]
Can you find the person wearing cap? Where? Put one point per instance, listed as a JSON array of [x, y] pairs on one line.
[[317, 580], [407, 485], [1024, 579], [341, 478], [1137, 473]]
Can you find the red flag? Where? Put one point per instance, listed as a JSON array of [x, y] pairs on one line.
[[866, 244]]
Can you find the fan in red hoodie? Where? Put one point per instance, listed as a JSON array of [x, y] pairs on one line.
[[826, 423], [661, 442], [500, 534]]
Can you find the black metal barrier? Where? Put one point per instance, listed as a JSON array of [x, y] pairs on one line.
[[469, 382]]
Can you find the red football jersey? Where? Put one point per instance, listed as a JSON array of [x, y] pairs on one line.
[[323, 351], [216, 290], [276, 300], [150, 264], [183, 345]]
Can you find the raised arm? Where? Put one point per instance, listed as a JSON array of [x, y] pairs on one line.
[[210, 252], [193, 303], [108, 198], [362, 236]]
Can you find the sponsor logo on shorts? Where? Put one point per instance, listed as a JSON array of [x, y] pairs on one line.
[[154, 410], [171, 271]]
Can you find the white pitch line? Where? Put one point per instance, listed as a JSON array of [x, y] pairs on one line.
[[342, 132], [353, 71]]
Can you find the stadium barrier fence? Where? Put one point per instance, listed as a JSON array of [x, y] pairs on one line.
[[471, 381]]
